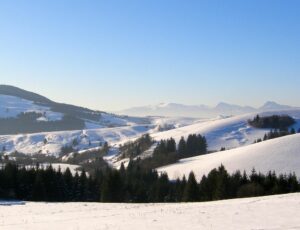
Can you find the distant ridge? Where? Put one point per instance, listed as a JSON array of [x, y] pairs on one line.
[[73, 110], [47, 115], [201, 111], [17, 92]]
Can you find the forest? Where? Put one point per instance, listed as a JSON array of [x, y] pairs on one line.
[[136, 184]]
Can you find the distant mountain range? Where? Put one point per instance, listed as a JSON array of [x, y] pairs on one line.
[[201, 111]]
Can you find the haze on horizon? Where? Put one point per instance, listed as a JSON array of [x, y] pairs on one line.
[[112, 55]]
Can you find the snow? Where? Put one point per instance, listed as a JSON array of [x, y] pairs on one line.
[[11, 106], [229, 132], [175, 122], [272, 212], [63, 167], [280, 154], [87, 139]]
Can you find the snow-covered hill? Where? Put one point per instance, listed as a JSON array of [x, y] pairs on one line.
[[11, 106], [272, 212], [15, 101], [281, 155], [229, 132], [220, 132], [50, 143]]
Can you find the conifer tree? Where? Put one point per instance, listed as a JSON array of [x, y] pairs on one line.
[[182, 147], [191, 191]]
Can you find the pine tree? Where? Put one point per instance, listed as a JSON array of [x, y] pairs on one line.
[[171, 146], [112, 188], [68, 180], [76, 189], [293, 131], [83, 186], [191, 191], [39, 192], [182, 147]]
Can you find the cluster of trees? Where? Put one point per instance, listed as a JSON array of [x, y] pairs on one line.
[[219, 184], [135, 148], [194, 145], [44, 184], [166, 151], [136, 184], [281, 122], [275, 134], [28, 123]]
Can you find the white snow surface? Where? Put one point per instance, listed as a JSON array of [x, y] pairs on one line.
[[11, 106], [225, 132], [87, 139], [228, 132], [281, 155], [272, 212]]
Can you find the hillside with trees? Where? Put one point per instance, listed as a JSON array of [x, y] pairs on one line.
[[136, 184], [29, 123], [281, 122]]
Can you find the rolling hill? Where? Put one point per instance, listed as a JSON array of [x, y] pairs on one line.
[[231, 132], [22, 111], [281, 155]]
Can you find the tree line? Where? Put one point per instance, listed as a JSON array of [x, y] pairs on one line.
[[28, 123], [275, 134], [168, 151], [281, 122], [133, 149], [136, 184]]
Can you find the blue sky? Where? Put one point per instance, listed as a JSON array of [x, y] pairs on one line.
[[111, 55]]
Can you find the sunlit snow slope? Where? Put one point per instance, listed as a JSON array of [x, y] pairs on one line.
[[281, 154], [221, 132], [51, 143], [229, 132]]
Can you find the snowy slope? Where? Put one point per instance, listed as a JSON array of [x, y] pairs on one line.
[[11, 106], [229, 132], [14, 101], [87, 139], [221, 132], [280, 154], [34, 143], [272, 212]]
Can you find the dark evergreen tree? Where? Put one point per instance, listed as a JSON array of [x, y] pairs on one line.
[[39, 192], [112, 188], [191, 191], [182, 147], [293, 131]]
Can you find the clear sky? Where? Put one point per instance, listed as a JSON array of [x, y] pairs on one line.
[[111, 55]]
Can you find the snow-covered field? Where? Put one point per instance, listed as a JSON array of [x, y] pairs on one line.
[[86, 139], [220, 132], [229, 132], [280, 154], [273, 212]]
